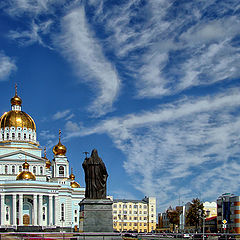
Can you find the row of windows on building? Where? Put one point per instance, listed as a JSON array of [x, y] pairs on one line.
[[12, 169], [13, 136], [130, 206], [129, 212], [131, 224], [129, 218]]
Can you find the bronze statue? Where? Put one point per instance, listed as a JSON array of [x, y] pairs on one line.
[[95, 176]]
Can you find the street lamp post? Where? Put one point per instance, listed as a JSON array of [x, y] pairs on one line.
[[202, 217]]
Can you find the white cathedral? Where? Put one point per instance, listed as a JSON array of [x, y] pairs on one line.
[[34, 191]]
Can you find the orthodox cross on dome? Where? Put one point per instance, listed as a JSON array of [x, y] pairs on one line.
[[60, 132], [15, 89], [86, 153]]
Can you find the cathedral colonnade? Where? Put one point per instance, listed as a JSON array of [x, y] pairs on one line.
[[29, 209]]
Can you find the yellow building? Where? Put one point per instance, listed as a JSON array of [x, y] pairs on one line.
[[210, 209], [134, 215]]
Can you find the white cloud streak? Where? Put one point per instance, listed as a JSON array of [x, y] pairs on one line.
[[7, 66], [61, 114], [187, 144], [83, 50]]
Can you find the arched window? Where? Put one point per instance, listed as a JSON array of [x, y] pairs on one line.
[[41, 170], [19, 136], [61, 171], [13, 135], [7, 136], [25, 136], [13, 169], [34, 170], [3, 136], [62, 211], [6, 169], [20, 168], [30, 136]]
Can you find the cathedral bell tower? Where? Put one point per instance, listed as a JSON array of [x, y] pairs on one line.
[[60, 163]]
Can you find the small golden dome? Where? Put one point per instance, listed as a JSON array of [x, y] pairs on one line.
[[25, 174], [59, 149], [25, 165], [75, 185], [48, 162], [16, 100], [72, 176]]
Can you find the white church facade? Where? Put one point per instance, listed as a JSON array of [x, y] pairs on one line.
[[34, 191]]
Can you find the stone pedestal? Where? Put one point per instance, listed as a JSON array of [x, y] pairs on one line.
[[96, 215]]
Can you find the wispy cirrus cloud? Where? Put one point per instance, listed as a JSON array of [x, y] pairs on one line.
[[7, 66], [62, 114], [170, 148], [78, 44], [167, 51], [33, 35]]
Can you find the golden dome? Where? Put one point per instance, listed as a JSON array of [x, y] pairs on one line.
[[72, 176], [25, 174], [16, 100], [75, 185], [25, 165], [48, 162], [17, 119], [59, 149]]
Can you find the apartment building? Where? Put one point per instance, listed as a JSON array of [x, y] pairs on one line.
[[134, 215], [228, 208]]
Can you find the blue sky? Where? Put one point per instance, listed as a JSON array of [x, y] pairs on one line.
[[153, 85]]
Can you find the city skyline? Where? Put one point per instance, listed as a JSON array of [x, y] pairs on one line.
[[152, 85]]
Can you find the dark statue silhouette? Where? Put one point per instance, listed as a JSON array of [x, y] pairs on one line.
[[95, 176]]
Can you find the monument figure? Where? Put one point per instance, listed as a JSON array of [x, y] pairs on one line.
[[95, 208], [95, 176]]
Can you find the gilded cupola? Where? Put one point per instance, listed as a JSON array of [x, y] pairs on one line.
[[59, 149], [17, 125], [26, 174], [73, 183], [48, 163]]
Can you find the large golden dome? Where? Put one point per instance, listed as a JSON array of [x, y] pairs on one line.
[[17, 119], [59, 149]]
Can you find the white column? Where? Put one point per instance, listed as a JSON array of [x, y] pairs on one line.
[[14, 209], [20, 209], [2, 209], [34, 209], [40, 208], [50, 210]]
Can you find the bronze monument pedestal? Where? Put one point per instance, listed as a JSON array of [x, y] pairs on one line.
[[96, 215]]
